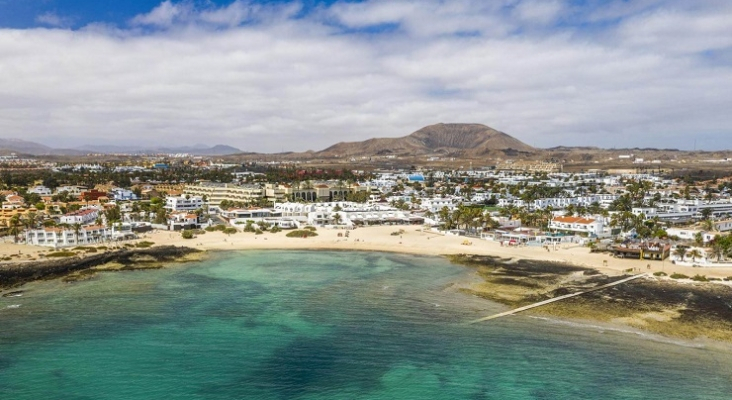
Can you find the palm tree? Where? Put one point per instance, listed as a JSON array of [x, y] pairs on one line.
[[680, 253], [718, 250], [15, 229], [77, 230], [337, 218], [30, 220], [694, 254]]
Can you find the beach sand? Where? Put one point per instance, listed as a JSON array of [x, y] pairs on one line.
[[416, 241]]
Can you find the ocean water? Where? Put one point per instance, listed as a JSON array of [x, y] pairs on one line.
[[322, 325]]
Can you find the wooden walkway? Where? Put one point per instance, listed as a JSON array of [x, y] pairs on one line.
[[552, 300]]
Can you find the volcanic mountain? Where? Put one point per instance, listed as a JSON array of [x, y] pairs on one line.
[[464, 140]]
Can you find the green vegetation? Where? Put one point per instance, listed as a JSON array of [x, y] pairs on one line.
[[660, 273], [86, 249], [302, 233], [676, 275], [145, 244], [229, 231], [310, 228], [187, 234], [699, 278], [275, 229], [61, 254]]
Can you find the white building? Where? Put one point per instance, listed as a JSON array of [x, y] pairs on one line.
[[40, 190], [188, 203], [590, 226], [60, 237], [72, 190], [83, 217]]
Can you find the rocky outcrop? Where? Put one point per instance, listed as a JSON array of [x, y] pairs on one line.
[[14, 274], [467, 140]]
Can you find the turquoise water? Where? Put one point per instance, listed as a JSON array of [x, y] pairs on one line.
[[321, 325]]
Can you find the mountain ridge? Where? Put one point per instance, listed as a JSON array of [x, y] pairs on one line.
[[454, 139]]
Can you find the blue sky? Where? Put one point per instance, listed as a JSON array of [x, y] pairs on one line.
[[297, 75], [23, 14]]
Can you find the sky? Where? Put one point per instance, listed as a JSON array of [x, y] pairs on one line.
[[271, 76]]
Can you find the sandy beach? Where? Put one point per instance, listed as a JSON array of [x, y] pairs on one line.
[[413, 240], [416, 241]]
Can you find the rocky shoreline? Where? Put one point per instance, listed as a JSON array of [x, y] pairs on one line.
[[683, 310], [80, 267]]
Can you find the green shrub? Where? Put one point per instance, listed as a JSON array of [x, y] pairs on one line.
[[86, 249], [145, 244], [258, 232], [660, 273], [64, 253], [210, 228], [728, 279], [676, 275], [699, 278], [275, 229], [229, 231], [101, 247], [302, 233], [310, 228], [187, 234]]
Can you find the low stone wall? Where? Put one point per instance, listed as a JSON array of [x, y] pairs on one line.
[[13, 274]]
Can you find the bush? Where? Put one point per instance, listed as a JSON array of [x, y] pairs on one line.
[[728, 279], [699, 278], [145, 244], [275, 229], [660, 273], [187, 234], [676, 275], [64, 253], [102, 247], [302, 233], [86, 249], [258, 232], [310, 228], [229, 231]]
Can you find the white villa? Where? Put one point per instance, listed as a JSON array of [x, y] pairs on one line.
[[189, 203], [60, 237], [83, 217], [595, 227]]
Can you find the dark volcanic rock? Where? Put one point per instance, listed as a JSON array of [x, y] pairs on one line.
[[18, 273]]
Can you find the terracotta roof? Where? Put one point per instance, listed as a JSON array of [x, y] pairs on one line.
[[573, 220]]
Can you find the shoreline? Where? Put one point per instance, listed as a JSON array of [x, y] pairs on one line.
[[412, 240]]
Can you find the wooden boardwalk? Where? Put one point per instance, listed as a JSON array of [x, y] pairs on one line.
[[552, 300]]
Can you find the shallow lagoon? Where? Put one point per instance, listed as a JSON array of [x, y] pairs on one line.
[[322, 325]]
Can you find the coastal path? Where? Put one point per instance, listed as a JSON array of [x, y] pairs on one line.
[[552, 300]]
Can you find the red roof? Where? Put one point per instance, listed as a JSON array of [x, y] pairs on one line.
[[573, 220]]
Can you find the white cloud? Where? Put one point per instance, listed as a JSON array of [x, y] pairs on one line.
[[165, 14], [259, 78], [54, 20], [539, 11]]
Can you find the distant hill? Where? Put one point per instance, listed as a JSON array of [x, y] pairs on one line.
[[26, 147], [468, 140], [199, 149]]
